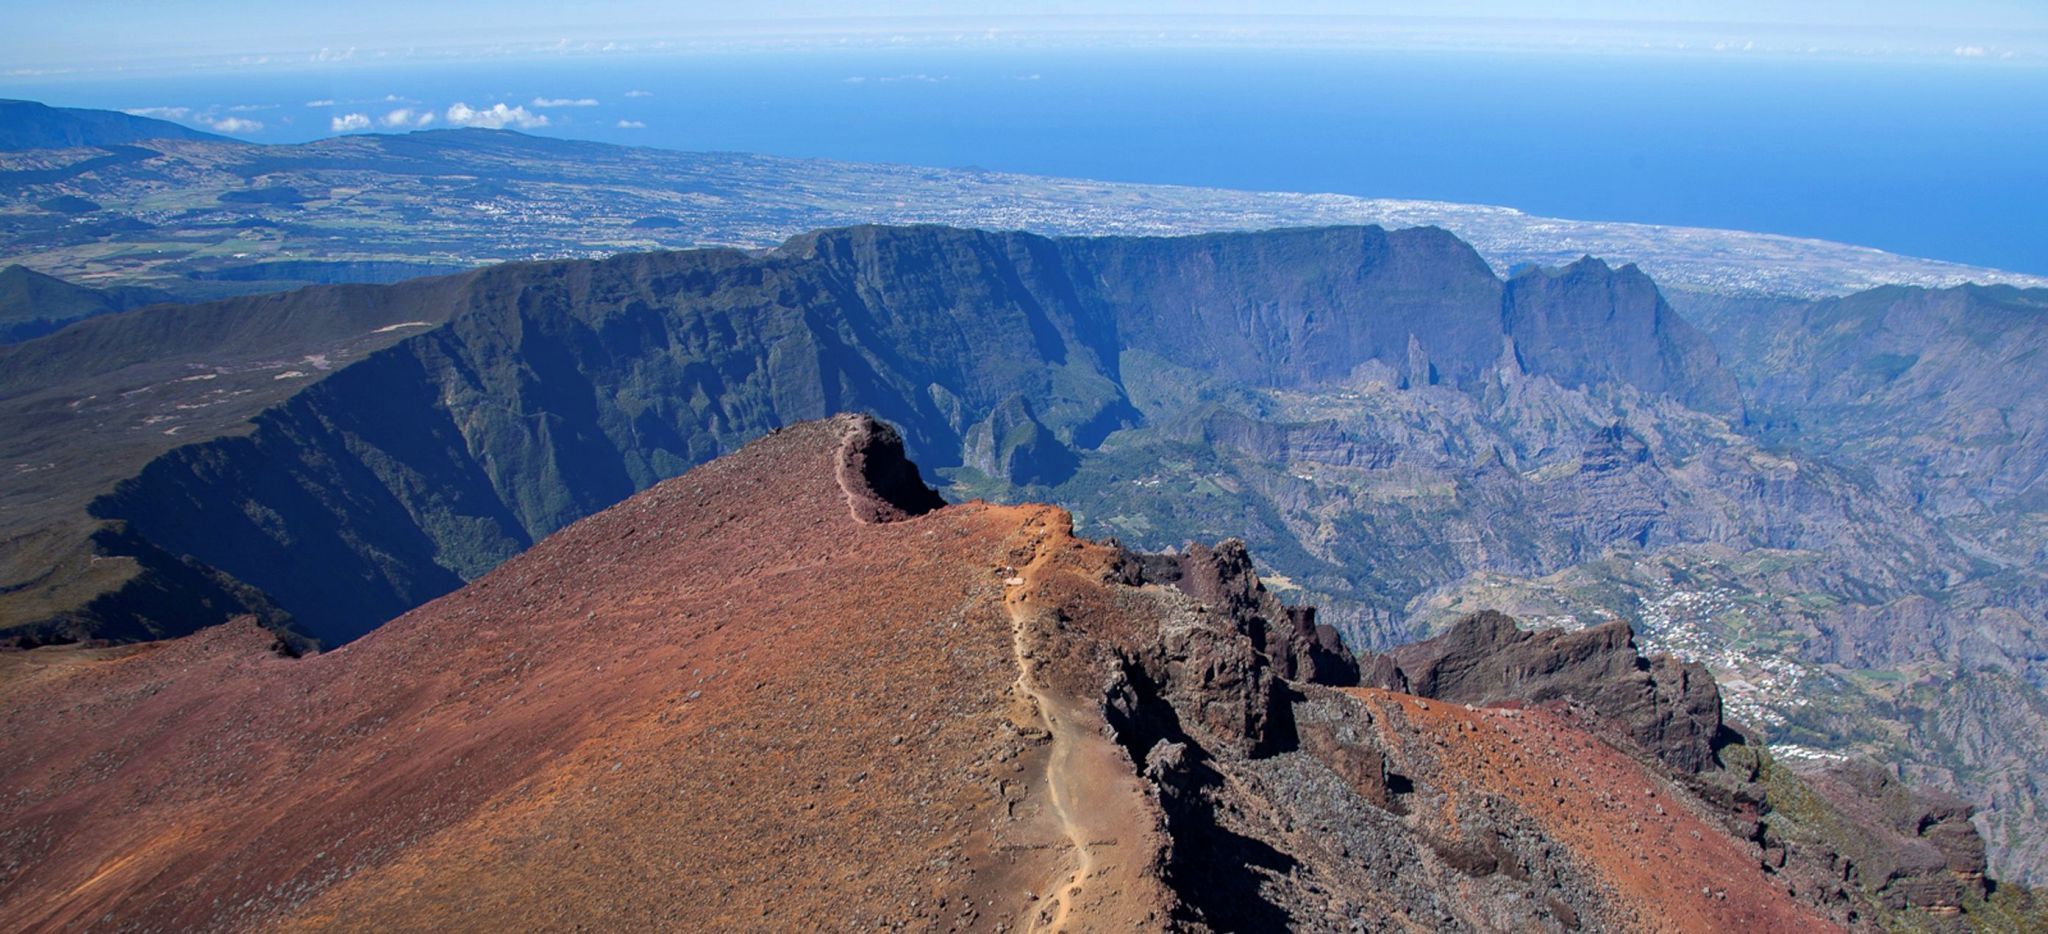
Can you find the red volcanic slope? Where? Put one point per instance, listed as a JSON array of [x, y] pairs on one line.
[[725, 700], [781, 691]]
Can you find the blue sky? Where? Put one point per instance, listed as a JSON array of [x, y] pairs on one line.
[[124, 35]]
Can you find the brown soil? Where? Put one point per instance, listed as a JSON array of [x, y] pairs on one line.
[[1112, 826], [723, 703], [1626, 821]]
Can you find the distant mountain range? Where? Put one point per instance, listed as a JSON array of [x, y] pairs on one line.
[[1009, 357], [207, 217]]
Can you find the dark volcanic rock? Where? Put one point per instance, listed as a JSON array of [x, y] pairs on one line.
[[882, 485], [1667, 708], [1917, 846], [1224, 578]]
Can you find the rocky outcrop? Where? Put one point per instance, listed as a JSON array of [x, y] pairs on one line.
[[1224, 579], [881, 483], [1666, 708], [1914, 847], [1013, 446]]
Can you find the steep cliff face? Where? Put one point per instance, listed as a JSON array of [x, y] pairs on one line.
[[561, 389], [1568, 324], [1301, 307], [556, 389]]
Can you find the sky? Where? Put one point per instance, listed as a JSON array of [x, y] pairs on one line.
[[98, 36]]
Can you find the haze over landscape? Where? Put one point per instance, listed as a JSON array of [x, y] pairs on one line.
[[1548, 466]]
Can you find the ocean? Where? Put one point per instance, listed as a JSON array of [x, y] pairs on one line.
[[1936, 160]]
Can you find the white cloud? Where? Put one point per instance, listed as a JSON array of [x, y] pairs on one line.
[[498, 116], [334, 55], [349, 123], [565, 102], [1970, 51], [250, 108], [161, 113], [406, 116], [1029, 77], [632, 125], [320, 103], [639, 93], [234, 125]]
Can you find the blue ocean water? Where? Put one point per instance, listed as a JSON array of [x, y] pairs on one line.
[[1938, 160]]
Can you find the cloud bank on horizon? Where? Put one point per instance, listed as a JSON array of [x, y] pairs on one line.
[[45, 40], [211, 118], [498, 116]]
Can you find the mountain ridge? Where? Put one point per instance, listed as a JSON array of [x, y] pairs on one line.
[[33, 304], [859, 316], [32, 125], [578, 736]]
